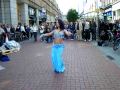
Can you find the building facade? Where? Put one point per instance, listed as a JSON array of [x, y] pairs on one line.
[[28, 11], [111, 10], [108, 10], [91, 8], [116, 10]]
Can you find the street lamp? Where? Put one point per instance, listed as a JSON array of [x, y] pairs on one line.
[[98, 6]]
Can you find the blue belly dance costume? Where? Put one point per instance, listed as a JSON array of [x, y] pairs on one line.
[[57, 50]]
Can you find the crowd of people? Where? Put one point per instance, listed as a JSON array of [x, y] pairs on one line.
[[81, 30], [22, 31]]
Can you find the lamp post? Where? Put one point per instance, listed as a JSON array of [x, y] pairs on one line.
[[83, 9], [98, 5]]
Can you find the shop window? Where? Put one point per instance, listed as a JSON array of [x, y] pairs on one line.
[[114, 13], [118, 12], [31, 11]]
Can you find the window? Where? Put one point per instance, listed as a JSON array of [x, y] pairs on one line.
[[114, 13], [31, 11], [118, 11]]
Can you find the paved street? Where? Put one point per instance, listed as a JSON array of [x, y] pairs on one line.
[[87, 68], [115, 55], [108, 51]]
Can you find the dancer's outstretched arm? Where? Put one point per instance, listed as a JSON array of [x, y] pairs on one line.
[[67, 33], [47, 34]]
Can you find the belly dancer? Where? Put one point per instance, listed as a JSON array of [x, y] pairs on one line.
[[58, 46]]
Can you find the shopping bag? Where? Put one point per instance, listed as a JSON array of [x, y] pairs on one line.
[[4, 58]]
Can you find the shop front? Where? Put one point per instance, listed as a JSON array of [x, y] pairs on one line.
[[116, 11], [107, 15], [42, 16], [32, 15]]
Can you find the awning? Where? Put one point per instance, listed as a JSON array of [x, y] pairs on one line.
[[116, 6], [109, 13]]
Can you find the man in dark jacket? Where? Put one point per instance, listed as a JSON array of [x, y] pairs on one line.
[[93, 29], [71, 27]]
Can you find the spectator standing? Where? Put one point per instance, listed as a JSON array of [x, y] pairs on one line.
[[35, 30], [87, 31]]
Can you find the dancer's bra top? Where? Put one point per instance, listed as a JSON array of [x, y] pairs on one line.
[[59, 34]]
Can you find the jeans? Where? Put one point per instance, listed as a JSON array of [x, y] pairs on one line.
[[35, 36]]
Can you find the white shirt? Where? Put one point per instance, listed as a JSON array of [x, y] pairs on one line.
[[35, 28], [87, 25], [42, 29], [23, 28], [31, 29], [1, 30], [8, 29]]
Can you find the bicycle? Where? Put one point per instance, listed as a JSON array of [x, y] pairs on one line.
[[116, 43]]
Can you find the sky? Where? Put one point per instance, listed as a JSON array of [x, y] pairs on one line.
[[65, 5]]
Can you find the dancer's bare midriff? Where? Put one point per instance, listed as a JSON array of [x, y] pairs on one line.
[[58, 41]]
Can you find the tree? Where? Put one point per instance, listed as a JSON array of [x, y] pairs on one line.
[[72, 15]]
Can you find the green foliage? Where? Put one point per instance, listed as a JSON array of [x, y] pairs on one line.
[[72, 15]]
